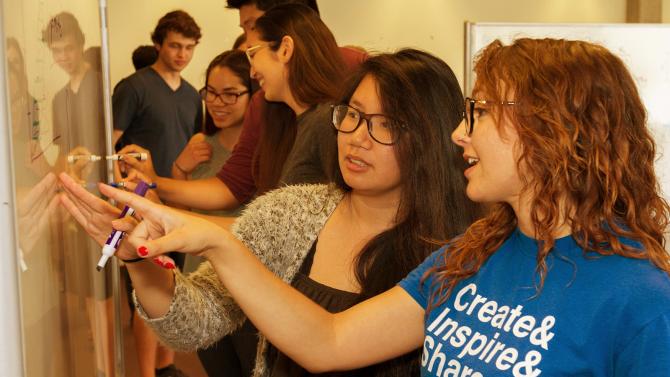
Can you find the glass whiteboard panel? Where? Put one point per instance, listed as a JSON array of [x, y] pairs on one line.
[[55, 98]]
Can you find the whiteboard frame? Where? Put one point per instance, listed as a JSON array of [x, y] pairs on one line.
[[119, 354], [11, 337], [469, 54]]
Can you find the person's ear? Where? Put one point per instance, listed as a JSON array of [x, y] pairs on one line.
[[285, 51]]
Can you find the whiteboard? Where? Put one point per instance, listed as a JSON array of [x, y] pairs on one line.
[[644, 49], [53, 107]]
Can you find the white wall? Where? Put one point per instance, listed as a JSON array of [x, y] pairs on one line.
[[437, 25], [132, 21], [382, 25]]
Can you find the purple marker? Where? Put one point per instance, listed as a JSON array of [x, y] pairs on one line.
[[115, 238], [123, 184]]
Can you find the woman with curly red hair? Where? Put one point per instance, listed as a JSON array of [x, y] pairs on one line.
[[567, 274]]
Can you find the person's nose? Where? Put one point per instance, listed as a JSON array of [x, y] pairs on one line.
[[460, 135], [361, 136]]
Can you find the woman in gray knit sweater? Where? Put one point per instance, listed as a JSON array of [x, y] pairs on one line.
[[398, 191]]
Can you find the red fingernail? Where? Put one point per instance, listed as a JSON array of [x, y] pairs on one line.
[[142, 250], [169, 266], [158, 262]]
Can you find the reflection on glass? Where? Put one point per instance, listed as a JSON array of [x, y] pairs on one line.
[[66, 304], [41, 312], [78, 128]]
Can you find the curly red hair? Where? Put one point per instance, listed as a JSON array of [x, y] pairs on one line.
[[586, 155]]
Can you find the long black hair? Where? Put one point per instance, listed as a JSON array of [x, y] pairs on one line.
[[422, 92]]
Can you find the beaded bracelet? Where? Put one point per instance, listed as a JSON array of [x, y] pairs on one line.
[[179, 167]]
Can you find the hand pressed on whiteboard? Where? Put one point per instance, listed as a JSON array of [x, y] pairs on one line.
[[35, 208], [99, 218], [164, 229], [92, 213]]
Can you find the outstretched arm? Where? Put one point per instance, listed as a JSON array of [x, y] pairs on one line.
[[165, 295], [378, 329], [96, 216], [203, 194]]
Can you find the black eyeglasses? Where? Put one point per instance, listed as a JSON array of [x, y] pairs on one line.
[[470, 110], [381, 128], [228, 98]]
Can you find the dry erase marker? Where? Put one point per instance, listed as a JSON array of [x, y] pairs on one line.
[[123, 184], [116, 236], [119, 157], [90, 157]]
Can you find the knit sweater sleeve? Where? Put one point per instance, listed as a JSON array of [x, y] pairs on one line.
[[200, 292], [281, 226], [278, 228]]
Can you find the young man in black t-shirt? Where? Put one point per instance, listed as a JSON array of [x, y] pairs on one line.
[[155, 108]]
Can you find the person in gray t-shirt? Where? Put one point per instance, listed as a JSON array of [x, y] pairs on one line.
[[155, 107]]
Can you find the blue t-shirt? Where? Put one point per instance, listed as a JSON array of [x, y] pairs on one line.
[[595, 316]]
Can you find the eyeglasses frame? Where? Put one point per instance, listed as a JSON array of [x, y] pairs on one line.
[[368, 118], [250, 52], [204, 92], [470, 122]]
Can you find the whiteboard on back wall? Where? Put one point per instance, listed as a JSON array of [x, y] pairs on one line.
[[644, 48]]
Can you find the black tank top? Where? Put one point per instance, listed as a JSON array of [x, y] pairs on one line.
[[244, 340], [329, 298]]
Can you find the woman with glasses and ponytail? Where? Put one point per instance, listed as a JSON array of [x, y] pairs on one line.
[[297, 63], [226, 94], [398, 192], [567, 275]]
